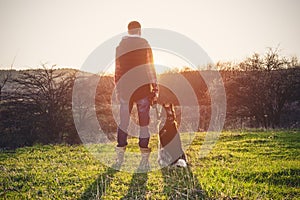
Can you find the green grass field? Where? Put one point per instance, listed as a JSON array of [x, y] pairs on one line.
[[242, 165]]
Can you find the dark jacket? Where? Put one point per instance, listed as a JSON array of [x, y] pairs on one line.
[[135, 75]]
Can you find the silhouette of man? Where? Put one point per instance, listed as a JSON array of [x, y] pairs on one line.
[[136, 83]]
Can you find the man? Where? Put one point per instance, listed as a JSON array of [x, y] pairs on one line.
[[136, 82]]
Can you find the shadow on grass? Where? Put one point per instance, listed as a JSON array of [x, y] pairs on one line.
[[138, 187], [180, 183], [99, 186]]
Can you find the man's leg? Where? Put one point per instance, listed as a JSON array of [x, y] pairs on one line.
[[125, 110], [143, 107]]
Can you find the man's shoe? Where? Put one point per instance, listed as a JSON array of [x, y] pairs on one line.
[[120, 151], [144, 163]]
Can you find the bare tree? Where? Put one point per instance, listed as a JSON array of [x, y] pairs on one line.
[[268, 83], [51, 91]]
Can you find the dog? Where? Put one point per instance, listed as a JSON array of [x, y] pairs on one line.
[[170, 148]]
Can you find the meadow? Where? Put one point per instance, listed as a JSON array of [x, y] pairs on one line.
[[243, 165]]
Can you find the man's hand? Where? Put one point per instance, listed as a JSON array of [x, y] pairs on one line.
[[154, 94], [117, 96], [154, 98]]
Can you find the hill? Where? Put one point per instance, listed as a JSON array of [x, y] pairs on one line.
[[40, 101]]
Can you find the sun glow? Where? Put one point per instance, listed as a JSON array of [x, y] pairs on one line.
[[164, 61], [167, 61]]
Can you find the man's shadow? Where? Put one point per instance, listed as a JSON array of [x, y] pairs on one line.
[[180, 183], [97, 189], [138, 187]]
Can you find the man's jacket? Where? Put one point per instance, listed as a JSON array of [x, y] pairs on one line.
[[135, 75]]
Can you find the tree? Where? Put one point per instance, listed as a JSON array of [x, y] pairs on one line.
[[269, 82], [50, 90]]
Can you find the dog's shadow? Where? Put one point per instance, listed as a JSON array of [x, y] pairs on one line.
[[180, 183]]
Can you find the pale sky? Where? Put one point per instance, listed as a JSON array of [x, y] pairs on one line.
[[65, 32]]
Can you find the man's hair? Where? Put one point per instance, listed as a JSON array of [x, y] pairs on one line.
[[134, 27]]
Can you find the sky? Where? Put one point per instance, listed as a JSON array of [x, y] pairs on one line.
[[65, 32]]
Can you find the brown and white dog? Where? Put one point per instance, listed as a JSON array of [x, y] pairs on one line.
[[170, 147]]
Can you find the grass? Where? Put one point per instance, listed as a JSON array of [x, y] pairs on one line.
[[242, 165]]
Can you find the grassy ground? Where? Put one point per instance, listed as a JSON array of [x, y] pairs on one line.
[[243, 165]]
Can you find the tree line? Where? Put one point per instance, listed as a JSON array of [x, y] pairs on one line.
[[262, 91]]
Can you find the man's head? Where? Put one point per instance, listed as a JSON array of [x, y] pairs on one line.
[[134, 28]]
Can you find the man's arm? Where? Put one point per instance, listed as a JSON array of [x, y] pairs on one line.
[[117, 71], [117, 67], [152, 73]]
